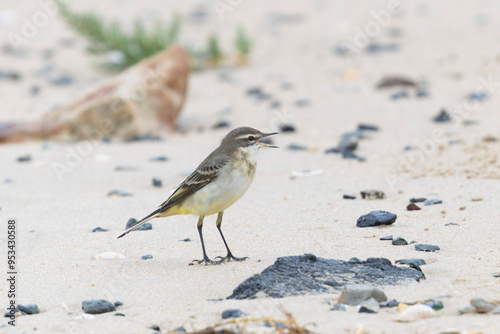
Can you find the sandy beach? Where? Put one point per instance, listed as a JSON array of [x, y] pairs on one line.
[[450, 47]]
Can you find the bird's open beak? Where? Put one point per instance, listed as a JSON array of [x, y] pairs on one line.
[[264, 136]]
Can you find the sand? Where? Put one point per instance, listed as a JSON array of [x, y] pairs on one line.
[[451, 45]]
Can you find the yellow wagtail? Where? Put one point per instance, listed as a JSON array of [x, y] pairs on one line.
[[218, 182]]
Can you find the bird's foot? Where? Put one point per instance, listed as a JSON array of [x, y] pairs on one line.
[[230, 257], [205, 260]]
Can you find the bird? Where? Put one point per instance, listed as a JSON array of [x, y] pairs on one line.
[[216, 184]]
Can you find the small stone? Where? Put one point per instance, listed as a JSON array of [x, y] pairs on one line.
[[119, 193], [372, 194], [28, 309], [180, 330], [364, 309], [416, 312], [367, 127], [159, 158], [185, 240], [387, 237], [147, 257], [380, 260], [477, 199], [355, 260], [451, 224], [221, 125], [125, 168], [355, 294], [97, 306], [157, 183], [496, 275], [119, 315], [296, 147], [287, 128], [154, 327], [100, 229], [399, 242], [489, 139], [338, 307], [62, 80], [376, 218], [442, 117], [389, 303], [426, 248], [232, 313], [118, 303], [412, 207], [418, 200], [143, 137], [478, 96], [24, 158], [418, 262], [481, 305], [400, 94], [144, 227], [466, 309], [436, 305], [433, 201], [348, 197]]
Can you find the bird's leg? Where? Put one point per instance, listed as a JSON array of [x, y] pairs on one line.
[[229, 255], [205, 257]]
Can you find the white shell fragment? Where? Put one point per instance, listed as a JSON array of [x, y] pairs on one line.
[[306, 173], [109, 256], [415, 312]]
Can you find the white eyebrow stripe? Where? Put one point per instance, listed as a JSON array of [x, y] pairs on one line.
[[244, 136]]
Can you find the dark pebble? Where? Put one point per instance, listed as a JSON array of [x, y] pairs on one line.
[[372, 194], [119, 314], [433, 201], [496, 275], [24, 158], [159, 158], [355, 260], [367, 127], [442, 117], [125, 168], [97, 306], [132, 221], [413, 207], [287, 128], [154, 327], [478, 96], [427, 248], [379, 47], [388, 237], [418, 200], [221, 125], [119, 192], [100, 229], [296, 147], [157, 183], [147, 257], [338, 307], [143, 137], [118, 303], [399, 95], [395, 81], [435, 304], [418, 262], [29, 308], [63, 80], [421, 92], [349, 197], [9, 314], [364, 309], [409, 148], [451, 224], [302, 103], [376, 218], [10, 75], [380, 260], [399, 242], [389, 303], [186, 240], [275, 105], [232, 313], [180, 330]]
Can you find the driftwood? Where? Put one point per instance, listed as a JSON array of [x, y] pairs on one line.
[[145, 99]]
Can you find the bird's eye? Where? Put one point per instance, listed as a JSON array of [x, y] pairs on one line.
[[251, 138]]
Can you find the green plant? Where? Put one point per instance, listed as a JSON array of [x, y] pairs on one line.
[[136, 45], [243, 43], [213, 50]]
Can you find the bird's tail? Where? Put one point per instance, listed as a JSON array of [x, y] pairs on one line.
[[140, 222]]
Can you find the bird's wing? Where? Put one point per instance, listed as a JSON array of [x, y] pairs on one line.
[[206, 172]]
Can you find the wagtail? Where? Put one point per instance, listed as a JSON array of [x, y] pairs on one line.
[[218, 182]]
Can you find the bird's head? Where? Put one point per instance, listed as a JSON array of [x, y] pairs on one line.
[[246, 139]]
